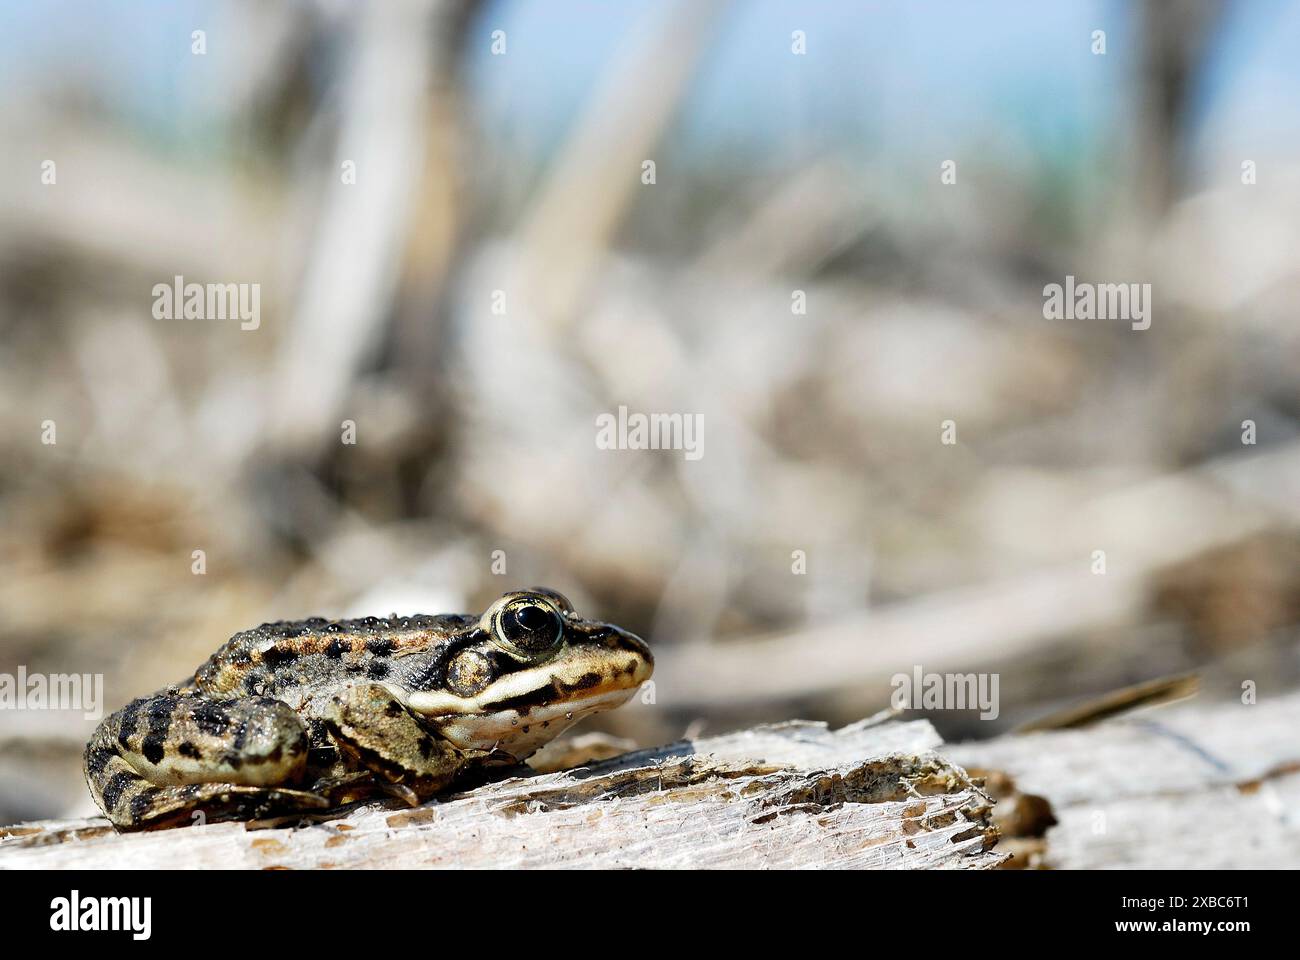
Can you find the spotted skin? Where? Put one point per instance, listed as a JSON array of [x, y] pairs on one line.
[[305, 715]]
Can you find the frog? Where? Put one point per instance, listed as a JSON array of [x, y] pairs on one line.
[[296, 718]]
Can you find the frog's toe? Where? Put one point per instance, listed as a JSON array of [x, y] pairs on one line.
[[401, 792]]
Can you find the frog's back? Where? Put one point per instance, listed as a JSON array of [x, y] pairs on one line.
[[284, 658]]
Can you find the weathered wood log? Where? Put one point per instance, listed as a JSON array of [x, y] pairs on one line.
[[873, 794], [1196, 785]]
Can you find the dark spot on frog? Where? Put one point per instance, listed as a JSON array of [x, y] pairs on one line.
[[161, 714], [130, 717], [188, 749], [97, 760], [426, 747], [428, 678], [277, 657], [378, 670], [142, 801], [336, 649], [153, 749], [112, 791], [211, 719], [380, 646], [394, 709]]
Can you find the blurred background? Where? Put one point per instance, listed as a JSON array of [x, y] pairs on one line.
[[444, 207]]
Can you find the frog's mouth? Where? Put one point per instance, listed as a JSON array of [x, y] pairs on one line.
[[522, 734], [521, 711]]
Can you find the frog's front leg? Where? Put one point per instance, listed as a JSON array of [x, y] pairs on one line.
[[374, 730], [161, 758]]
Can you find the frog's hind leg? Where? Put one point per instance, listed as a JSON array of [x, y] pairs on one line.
[[161, 759], [133, 803]]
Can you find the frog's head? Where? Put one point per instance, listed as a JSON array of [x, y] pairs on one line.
[[529, 669]]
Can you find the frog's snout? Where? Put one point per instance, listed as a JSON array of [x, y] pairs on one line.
[[640, 663]]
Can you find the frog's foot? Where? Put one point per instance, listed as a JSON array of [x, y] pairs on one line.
[[362, 785], [376, 733], [163, 758], [200, 803], [356, 786]]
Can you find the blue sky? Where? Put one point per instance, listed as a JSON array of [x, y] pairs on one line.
[[904, 74], [895, 73]]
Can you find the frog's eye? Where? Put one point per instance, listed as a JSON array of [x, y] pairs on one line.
[[528, 627]]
